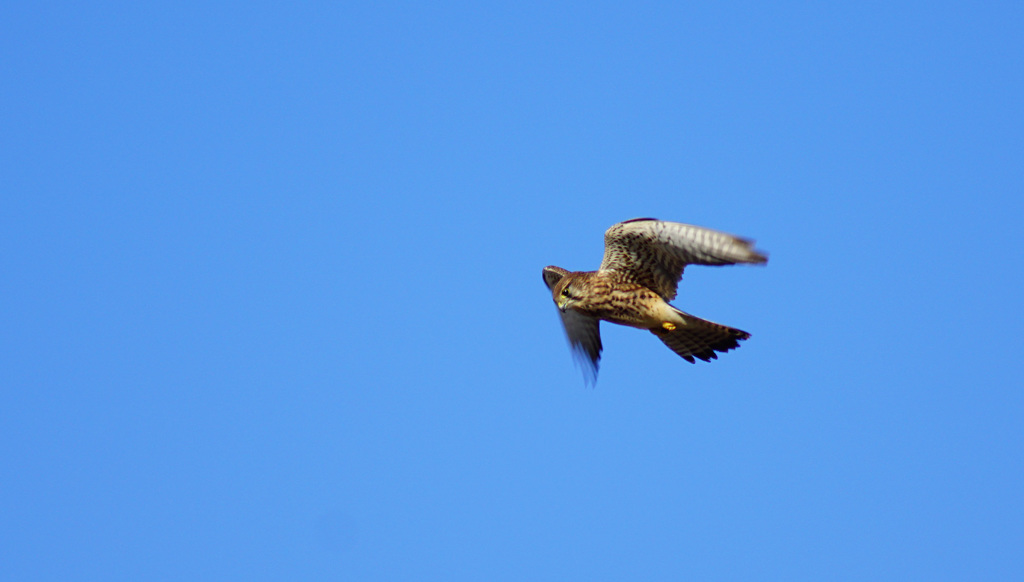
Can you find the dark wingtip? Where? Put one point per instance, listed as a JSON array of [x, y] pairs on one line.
[[552, 275], [636, 220]]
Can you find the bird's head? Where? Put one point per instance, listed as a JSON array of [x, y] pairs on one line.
[[568, 292], [567, 288]]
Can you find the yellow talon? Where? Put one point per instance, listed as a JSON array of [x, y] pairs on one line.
[[669, 326]]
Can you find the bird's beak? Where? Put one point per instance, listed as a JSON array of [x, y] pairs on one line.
[[561, 302]]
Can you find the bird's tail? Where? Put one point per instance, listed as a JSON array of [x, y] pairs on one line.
[[699, 338]]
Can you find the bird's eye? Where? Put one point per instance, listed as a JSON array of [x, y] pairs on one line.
[[565, 292]]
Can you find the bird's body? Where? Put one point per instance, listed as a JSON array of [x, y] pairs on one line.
[[614, 297], [643, 262]]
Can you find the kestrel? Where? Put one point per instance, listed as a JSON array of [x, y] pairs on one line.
[[643, 262]]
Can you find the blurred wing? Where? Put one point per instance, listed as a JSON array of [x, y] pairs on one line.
[[654, 253], [584, 336]]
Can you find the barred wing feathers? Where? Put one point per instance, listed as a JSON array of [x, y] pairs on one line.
[[654, 252]]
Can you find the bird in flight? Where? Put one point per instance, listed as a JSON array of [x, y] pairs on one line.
[[643, 262]]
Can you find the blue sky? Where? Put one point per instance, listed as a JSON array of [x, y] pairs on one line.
[[273, 309]]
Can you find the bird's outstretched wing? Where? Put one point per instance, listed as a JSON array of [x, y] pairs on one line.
[[582, 331], [654, 253]]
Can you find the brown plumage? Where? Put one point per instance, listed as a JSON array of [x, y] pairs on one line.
[[643, 262]]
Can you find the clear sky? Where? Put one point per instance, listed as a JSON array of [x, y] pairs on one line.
[[272, 305]]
